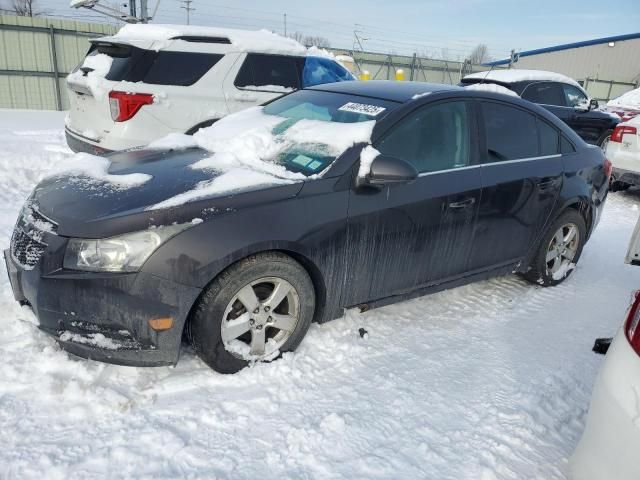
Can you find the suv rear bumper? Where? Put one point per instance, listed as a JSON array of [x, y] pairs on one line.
[[81, 144]]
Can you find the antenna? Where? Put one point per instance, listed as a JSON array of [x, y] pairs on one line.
[[186, 4]]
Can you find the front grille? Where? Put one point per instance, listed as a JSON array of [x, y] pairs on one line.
[[27, 246]]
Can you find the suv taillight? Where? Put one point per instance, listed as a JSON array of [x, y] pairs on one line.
[[620, 131], [631, 326], [125, 105]]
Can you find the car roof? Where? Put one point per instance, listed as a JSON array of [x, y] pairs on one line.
[[516, 75], [394, 91], [261, 41]]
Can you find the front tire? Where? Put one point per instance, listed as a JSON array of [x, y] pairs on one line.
[[559, 250], [253, 311]]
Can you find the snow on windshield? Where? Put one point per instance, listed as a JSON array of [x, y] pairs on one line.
[[491, 87], [251, 149]]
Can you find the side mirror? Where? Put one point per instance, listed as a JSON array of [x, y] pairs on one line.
[[386, 170], [593, 104]]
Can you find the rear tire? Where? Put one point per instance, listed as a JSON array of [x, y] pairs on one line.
[[603, 141], [559, 250], [228, 336]]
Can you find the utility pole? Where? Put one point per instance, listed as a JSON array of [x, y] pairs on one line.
[[187, 6], [144, 11], [285, 24]]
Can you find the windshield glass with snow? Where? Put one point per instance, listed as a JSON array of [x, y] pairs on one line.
[[313, 122]]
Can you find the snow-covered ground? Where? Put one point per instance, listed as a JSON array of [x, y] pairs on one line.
[[488, 381]]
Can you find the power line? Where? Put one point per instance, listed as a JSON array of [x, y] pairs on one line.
[[186, 4]]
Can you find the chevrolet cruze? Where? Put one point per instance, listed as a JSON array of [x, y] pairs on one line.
[[353, 194]]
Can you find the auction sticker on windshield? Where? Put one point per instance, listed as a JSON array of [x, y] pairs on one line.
[[371, 110]]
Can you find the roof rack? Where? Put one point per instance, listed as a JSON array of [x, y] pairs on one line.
[[202, 39]]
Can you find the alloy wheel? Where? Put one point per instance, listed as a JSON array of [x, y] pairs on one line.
[[260, 318], [562, 250]]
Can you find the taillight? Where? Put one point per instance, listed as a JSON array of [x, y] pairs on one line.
[[608, 167], [631, 326], [620, 131], [125, 105]]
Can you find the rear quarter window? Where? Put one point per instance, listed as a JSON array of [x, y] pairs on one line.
[[549, 138]]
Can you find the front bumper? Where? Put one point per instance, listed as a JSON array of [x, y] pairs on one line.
[[611, 440], [104, 316]]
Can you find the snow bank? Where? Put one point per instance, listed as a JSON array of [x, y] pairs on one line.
[[245, 147], [243, 40], [90, 169], [491, 87], [514, 75], [626, 100]]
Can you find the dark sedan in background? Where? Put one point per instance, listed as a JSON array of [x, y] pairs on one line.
[[455, 186], [559, 94]]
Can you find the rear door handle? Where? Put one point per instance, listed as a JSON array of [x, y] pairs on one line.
[[463, 203], [546, 182]]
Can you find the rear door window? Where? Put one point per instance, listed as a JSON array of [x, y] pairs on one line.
[[546, 93], [433, 138], [511, 133], [264, 71]]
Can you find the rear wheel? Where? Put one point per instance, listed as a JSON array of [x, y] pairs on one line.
[[559, 250], [255, 310]]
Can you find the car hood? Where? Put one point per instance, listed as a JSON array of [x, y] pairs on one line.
[[91, 209]]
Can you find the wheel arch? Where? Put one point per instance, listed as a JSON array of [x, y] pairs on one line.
[[584, 208], [305, 262]]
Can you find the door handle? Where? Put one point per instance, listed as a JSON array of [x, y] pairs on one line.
[[463, 203], [546, 182]]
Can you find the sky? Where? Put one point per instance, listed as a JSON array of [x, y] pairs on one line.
[[437, 28]]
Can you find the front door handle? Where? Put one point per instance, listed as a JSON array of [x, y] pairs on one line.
[[463, 203]]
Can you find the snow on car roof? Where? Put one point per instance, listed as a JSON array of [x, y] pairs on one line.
[[630, 99], [244, 40], [491, 87], [515, 75]]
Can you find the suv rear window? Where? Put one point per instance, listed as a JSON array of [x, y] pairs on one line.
[[134, 64]]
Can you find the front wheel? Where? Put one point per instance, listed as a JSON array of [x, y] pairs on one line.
[[559, 250], [255, 310]]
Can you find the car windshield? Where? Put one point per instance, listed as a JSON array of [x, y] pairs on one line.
[[317, 126]]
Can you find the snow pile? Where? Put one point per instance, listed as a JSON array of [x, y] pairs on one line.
[[491, 87], [245, 147], [367, 157], [626, 100], [93, 80], [514, 75], [90, 169], [243, 40], [489, 381]]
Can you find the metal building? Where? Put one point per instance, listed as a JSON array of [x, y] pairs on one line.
[[607, 67]]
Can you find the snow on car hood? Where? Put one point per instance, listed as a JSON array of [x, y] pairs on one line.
[[234, 156]]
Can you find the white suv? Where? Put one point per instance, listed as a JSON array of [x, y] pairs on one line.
[[151, 80]]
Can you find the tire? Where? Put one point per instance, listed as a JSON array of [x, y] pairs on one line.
[[604, 139], [543, 272], [220, 309]]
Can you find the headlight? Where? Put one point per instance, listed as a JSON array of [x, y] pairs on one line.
[[124, 253]]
